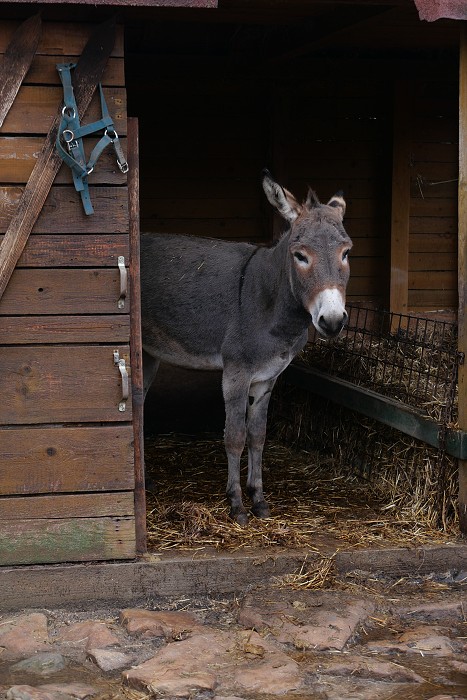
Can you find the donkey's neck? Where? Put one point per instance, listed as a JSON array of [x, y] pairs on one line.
[[269, 271]]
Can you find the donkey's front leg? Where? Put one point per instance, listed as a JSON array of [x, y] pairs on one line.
[[235, 397], [258, 402]]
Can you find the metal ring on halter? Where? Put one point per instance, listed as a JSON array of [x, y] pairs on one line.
[[112, 138], [66, 138], [71, 113]]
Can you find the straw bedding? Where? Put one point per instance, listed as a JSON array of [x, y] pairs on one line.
[[307, 491], [326, 469]]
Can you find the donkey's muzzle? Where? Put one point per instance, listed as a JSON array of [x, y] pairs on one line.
[[331, 326]]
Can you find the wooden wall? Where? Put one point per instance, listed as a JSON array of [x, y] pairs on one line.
[[204, 143], [434, 172], [209, 126], [66, 492]]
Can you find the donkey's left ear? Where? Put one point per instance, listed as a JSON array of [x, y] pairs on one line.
[[338, 202]]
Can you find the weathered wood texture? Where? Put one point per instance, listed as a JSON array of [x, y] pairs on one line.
[[65, 460], [50, 330], [62, 291], [57, 384], [462, 272], [132, 583], [434, 171], [136, 347], [400, 214], [40, 541], [67, 488]]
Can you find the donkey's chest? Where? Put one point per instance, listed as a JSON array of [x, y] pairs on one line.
[[272, 363], [272, 367]]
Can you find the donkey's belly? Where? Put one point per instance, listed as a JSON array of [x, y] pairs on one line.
[[171, 351]]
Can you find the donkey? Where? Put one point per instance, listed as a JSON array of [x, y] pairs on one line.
[[211, 304]]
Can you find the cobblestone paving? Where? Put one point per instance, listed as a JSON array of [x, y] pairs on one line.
[[388, 640]]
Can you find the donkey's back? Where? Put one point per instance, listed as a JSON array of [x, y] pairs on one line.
[[190, 294]]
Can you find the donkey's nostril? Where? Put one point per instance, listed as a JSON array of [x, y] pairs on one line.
[[332, 326]]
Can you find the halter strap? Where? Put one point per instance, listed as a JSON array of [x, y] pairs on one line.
[[69, 141]]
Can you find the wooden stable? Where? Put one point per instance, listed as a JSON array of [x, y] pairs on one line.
[[360, 96]]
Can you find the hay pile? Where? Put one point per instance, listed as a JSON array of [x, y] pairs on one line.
[[307, 491], [416, 364]]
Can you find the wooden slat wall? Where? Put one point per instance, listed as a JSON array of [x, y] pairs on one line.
[[66, 491], [209, 126], [339, 138], [433, 200], [205, 144]]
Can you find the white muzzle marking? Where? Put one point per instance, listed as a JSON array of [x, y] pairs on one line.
[[328, 312]]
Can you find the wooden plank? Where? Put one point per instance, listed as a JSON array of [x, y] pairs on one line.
[[435, 152], [434, 244], [440, 225], [136, 340], [462, 270], [434, 299], [50, 384], [429, 279], [60, 38], [72, 539], [238, 229], [383, 409], [440, 206], [63, 211], [202, 208], [18, 155], [88, 586], [95, 250], [51, 330], [45, 459], [432, 260], [35, 107], [400, 199], [44, 71], [87, 505], [16, 61], [62, 291]]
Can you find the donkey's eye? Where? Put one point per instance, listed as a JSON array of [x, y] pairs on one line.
[[345, 255], [301, 258]]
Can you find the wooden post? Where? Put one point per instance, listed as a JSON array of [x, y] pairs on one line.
[[400, 216], [462, 268], [136, 346]]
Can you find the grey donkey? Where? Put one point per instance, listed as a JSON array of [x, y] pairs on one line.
[[245, 309]]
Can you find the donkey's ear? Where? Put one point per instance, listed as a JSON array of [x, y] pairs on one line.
[[280, 198], [338, 202]]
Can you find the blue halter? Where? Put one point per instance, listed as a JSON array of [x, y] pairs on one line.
[[70, 137]]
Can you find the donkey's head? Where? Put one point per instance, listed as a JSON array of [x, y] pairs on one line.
[[319, 248]]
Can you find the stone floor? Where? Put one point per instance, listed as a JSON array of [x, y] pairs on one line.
[[388, 640]]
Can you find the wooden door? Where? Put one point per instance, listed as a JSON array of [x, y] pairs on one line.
[[67, 440]]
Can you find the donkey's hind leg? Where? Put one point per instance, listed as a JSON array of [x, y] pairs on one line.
[[258, 402]]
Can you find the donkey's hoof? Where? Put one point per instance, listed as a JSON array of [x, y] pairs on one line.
[[240, 517], [261, 510]]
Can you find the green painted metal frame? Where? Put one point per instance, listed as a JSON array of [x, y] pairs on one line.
[[381, 408]]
